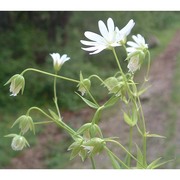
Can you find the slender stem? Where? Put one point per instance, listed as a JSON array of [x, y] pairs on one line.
[[55, 98], [50, 74], [144, 132], [117, 61], [59, 123], [93, 162], [43, 122], [130, 144], [96, 77], [91, 96], [148, 67]]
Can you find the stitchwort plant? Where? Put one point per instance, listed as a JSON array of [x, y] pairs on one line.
[[88, 140]]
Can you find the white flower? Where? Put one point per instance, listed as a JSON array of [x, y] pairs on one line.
[[18, 143], [124, 32], [106, 40], [138, 45], [17, 83], [134, 64], [59, 60]]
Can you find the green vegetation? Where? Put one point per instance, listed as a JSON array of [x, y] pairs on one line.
[[27, 38]]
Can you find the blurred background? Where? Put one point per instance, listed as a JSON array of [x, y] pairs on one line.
[[27, 38]]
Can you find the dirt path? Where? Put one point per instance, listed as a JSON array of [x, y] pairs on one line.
[[156, 109]]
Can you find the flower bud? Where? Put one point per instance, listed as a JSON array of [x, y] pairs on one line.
[[84, 85], [18, 142], [25, 123], [114, 85], [17, 83], [134, 64], [94, 145], [59, 60]]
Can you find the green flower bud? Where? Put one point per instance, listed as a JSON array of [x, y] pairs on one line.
[[17, 83], [94, 145], [114, 85], [18, 142], [84, 85], [25, 123]]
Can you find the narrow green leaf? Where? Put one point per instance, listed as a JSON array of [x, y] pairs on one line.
[[128, 120], [155, 163], [114, 162], [152, 165], [155, 135], [143, 90], [53, 114], [111, 101], [139, 158], [89, 103], [83, 128]]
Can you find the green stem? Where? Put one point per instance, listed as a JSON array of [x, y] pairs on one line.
[[93, 162], [49, 74], [117, 61], [96, 76], [148, 67], [130, 145], [43, 122], [59, 123], [55, 98], [97, 115], [91, 96], [144, 132]]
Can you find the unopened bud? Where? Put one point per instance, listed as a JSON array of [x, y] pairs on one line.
[[17, 83]]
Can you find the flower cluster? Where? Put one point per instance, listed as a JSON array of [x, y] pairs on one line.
[[88, 140]]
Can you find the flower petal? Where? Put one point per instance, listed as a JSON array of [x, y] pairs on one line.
[[103, 29], [94, 37]]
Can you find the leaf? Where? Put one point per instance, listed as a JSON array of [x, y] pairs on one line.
[[89, 103], [83, 128], [114, 162], [154, 164], [155, 135], [139, 158], [53, 114], [128, 120], [111, 101]]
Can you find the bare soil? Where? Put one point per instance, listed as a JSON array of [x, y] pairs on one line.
[[156, 105]]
